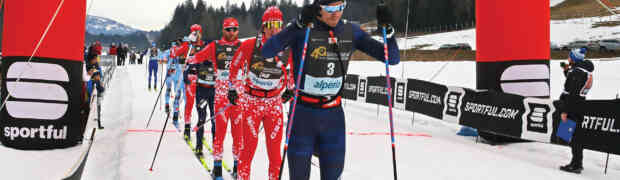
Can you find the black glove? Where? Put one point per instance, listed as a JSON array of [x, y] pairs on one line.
[[384, 17], [232, 97], [287, 95], [308, 14], [563, 64]]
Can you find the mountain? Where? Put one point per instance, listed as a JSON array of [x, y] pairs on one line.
[[100, 25]]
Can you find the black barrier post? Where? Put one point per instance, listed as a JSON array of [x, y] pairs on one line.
[[377, 111], [412, 119], [99, 110]]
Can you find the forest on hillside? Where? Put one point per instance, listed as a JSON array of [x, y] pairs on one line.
[[423, 14]]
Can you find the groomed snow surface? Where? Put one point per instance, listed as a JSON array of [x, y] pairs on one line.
[[124, 150]]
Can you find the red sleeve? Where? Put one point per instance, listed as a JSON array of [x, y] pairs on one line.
[[99, 48], [242, 56], [207, 53], [182, 50]]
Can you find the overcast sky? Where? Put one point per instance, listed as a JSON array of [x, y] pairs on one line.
[[145, 14]]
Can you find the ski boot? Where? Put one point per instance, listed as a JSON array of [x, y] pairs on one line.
[[175, 119], [187, 133], [167, 108], [217, 170], [572, 168], [199, 151]]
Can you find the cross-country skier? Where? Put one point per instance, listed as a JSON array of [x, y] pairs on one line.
[[190, 76], [175, 82], [169, 72], [220, 53], [205, 96], [260, 88], [153, 66], [319, 118]]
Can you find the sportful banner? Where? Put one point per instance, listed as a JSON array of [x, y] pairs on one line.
[[426, 97], [597, 126], [498, 113], [376, 90], [44, 95]]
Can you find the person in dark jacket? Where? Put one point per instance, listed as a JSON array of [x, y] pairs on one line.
[[577, 85], [319, 120]]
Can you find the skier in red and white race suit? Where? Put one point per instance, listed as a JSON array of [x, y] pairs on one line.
[[220, 53], [259, 83], [190, 78]]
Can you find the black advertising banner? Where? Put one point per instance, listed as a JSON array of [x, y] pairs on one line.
[[493, 112], [350, 87], [43, 108], [597, 128], [33, 120], [425, 98], [376, 90]]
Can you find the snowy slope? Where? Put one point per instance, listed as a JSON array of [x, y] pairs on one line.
[[555, 2], [100, 25], [125, 148]]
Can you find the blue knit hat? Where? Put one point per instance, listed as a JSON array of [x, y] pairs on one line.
[[578, 55]]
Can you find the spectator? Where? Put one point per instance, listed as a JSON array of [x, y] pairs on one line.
[[578, 82], [94, 71], [98, 48], [141, 56], [122, 54], [112, 49]]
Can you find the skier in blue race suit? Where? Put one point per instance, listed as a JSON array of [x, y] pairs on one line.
[[319, 118], [153, 66], [174, 81]]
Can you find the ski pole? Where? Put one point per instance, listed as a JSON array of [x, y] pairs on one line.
[[292, 114], [159, 143], [155, 106], [389, 86], [212, 117]]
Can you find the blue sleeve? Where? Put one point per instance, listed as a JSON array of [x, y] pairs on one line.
[[365, 43], [89, 88], [280, 41]]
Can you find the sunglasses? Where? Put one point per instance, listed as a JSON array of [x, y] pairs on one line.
[[333, 9], [272, 24], [231, 29]]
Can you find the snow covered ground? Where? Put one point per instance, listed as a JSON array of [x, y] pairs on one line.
[[124, 150]]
